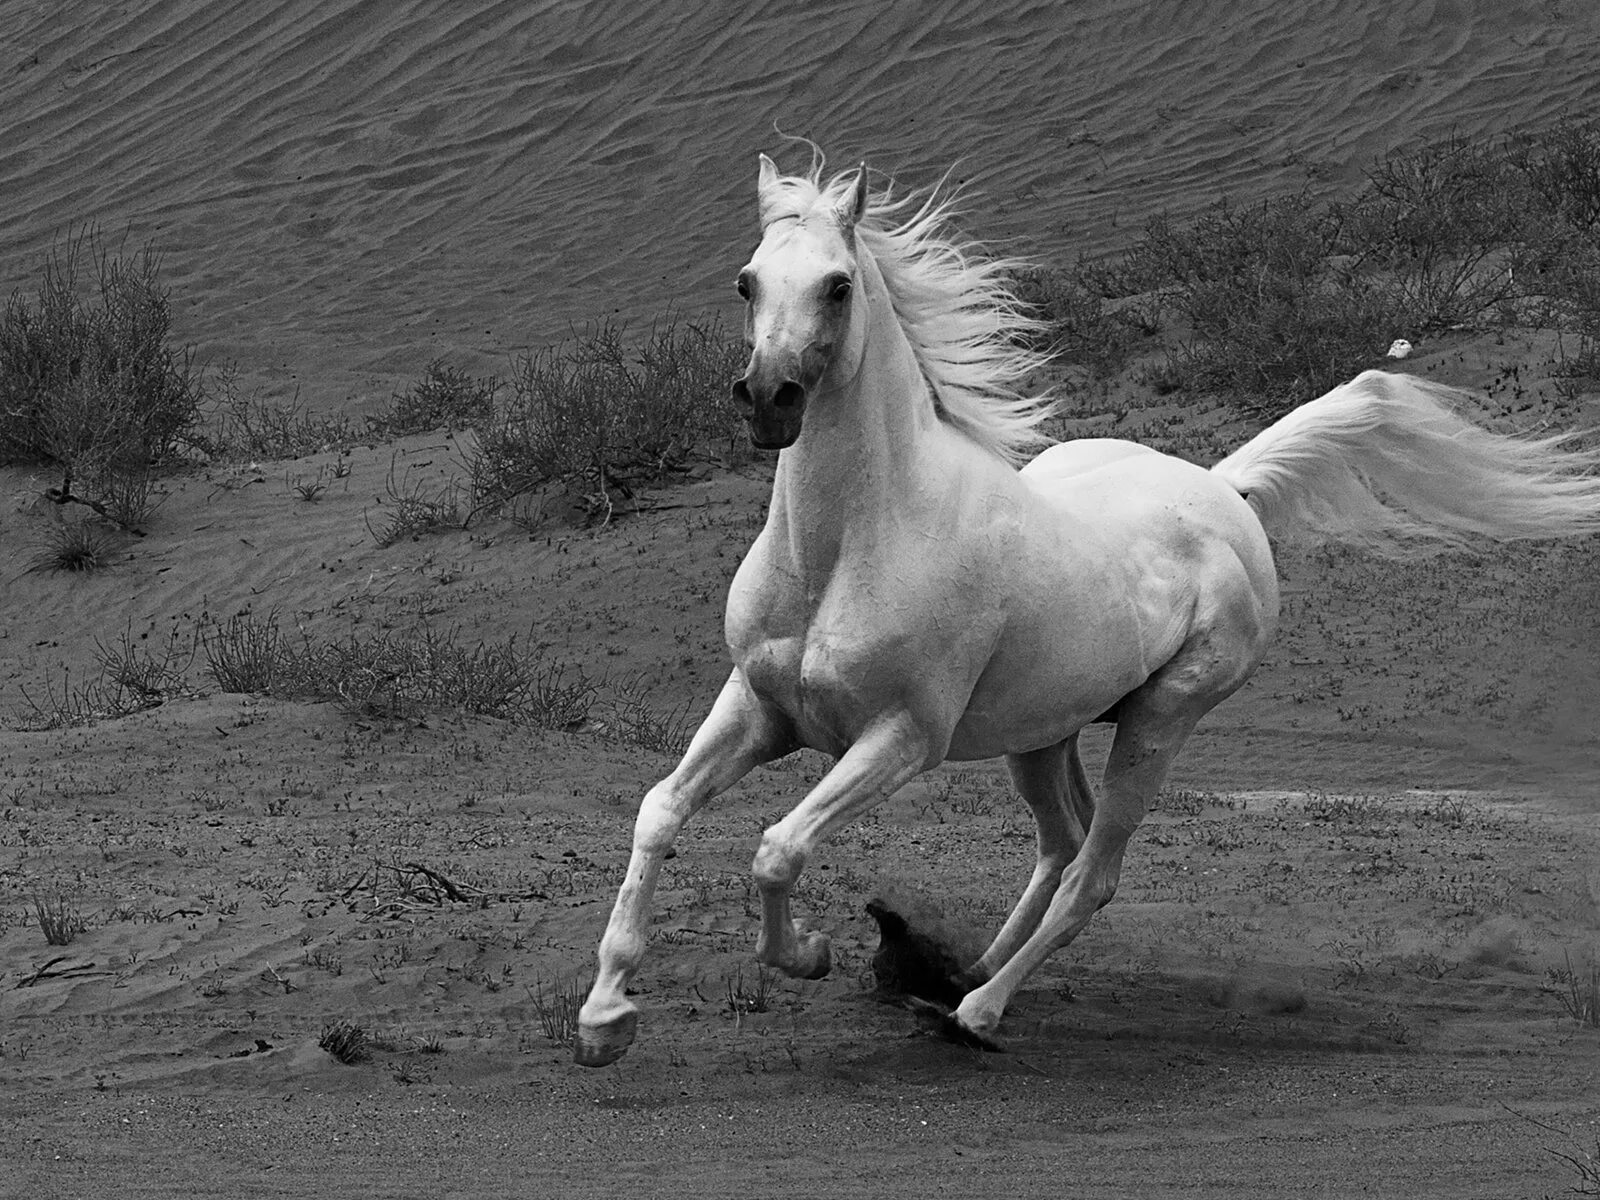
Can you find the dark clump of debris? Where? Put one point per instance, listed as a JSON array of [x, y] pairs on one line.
[[921, 952]]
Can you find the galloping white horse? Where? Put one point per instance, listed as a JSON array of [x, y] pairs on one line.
[[914, 597]]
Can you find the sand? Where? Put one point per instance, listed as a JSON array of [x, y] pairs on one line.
[[343, 192], [1329, 971]]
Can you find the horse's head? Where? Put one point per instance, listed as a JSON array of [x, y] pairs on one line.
[[800, 323]]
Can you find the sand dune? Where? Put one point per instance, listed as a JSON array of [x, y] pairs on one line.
[[344, 190]]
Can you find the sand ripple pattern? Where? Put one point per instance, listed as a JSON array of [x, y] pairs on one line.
[[346, 188]]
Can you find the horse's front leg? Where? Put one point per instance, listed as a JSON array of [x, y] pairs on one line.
[[738, 735], [886, 757]]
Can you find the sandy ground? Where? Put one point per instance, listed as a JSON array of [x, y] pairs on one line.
[[1329, 969]]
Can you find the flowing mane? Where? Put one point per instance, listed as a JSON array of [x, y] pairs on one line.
[[955, 304]]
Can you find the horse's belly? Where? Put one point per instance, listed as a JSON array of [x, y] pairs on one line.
[[1023, 702]]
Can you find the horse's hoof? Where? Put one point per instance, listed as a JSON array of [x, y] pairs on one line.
[[814, 957], [602, 1045], [948, 1025]]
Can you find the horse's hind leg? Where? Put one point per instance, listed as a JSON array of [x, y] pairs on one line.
[[884, 758], [737, 736], [1053, 783], [1149, 736]]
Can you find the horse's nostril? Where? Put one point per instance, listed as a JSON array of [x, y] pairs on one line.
[[789, 395], [741, 394]]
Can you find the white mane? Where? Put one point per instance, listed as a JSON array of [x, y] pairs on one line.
[[955, 305]]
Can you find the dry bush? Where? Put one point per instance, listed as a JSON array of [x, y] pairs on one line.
[[596, 414], [89, 382], [413, 508], [1274, 313], [446, 397], [1282, 300], [243, 427], [391, 675]]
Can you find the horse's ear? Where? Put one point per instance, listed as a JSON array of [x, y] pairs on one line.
[[769, 174], [854, 206], [766, 185]]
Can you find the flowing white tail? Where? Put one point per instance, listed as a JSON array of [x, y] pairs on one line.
[[1386, 459]]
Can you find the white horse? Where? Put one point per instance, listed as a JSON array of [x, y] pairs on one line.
[[914, 597]]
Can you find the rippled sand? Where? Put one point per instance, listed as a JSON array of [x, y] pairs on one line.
[[344, 190]]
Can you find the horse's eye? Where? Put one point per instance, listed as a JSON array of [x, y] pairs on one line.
[[839, 292]]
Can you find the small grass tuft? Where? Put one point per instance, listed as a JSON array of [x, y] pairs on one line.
[[77, 547], [59, 919], [557, 1008], [347, 1042], [755, 996], [1578, 991]]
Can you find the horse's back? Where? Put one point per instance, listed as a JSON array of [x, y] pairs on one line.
[[1181, 535], [1067, 460], [1129, 489]]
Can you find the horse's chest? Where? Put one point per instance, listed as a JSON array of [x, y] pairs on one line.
[[822, 661], [827, 690]]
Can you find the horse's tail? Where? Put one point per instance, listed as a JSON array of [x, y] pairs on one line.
[[1386, 459]]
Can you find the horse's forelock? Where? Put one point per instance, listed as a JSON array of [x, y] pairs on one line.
[[797, 197]]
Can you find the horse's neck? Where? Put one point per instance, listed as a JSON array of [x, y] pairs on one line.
[[859, 463]]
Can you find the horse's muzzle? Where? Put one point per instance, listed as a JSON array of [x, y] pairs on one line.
[[774, 414]]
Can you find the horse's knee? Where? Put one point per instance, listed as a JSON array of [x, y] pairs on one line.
[[660, 817], [777, 863]]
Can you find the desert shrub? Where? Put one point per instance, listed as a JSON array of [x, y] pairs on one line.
[[1435, 226], [247, 654], [244, 427], [446, 397], [396, 676], [69, 705], [595, 412], [1560, 262], [404, 677], [135, 674], [1271, 312], [1281, 300], [1080, 326], [413, 507], [89, 382], [1561, 165]]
